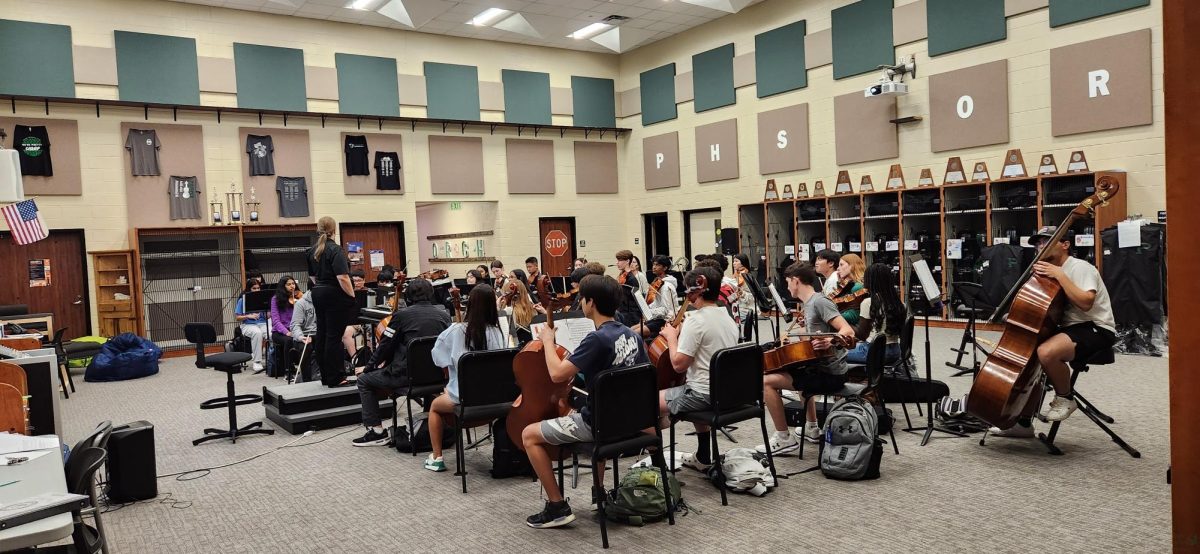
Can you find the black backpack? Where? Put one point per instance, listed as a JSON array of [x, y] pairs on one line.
[[406, 442], [507, 459]]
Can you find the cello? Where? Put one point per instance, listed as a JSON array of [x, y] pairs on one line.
[[541, 398], [393, 303], [1011, 371], [660, 353], [798, 351]]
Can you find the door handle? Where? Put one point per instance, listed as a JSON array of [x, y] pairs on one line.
[[78, 299]]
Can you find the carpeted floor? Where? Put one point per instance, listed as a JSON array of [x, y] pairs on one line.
[[323, 495]]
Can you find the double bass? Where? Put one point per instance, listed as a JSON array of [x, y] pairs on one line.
[[1011, 371], [541, 398], [660, 353]]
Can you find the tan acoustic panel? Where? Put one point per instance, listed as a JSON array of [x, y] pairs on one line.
[[1101, 84], [95, 65], [320, 83], [530, 166], [1017, 7], [783, 143], [491, 96], [562, 101], [863, 130], [744, 70], [181, 154], [596, 167], [412, 90], [818, 48], [216, 74], [969, 107], [684, 89], [64, 156], [292, 159], [660, 160], [717, 151], [629, 103], [367, 184], [455, 164], [909, 23]]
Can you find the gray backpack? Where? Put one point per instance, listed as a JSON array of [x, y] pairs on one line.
[[850, 445]]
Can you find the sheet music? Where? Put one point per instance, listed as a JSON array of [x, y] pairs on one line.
[[778, 300], [932, 293], [568, 333], [641, 302], [11, 442]]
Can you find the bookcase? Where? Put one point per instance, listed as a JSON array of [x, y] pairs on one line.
[[114, 276]]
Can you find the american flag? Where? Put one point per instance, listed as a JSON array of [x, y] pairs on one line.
[[25, 222]]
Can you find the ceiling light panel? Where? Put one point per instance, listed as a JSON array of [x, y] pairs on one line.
[[489, 17]]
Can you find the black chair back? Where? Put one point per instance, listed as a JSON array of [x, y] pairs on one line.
[[421, 369], [736, 376], [97, 439], [876, 360], [81, 469], [485, 377], [200, 334], [624, 402], [906, 337]]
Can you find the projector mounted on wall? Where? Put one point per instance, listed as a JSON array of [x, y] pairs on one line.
[[891, 83]]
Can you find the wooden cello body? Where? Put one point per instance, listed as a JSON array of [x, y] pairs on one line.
[[541, 398], [660, 353], [1009, 375]]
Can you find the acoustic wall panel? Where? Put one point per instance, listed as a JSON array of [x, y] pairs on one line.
[[717, 151], [367, 85], [181, 154], [216, 74], [452, 91], [783, 140], [455, 164], [779, 64], [969, 107], [270, 77], [67, 179], [956, 25], [1065, 12], [909, 23], [862, 37], [658, 94], [593, 101], [1101, 84], [712, 79], [595, 167], [36, 60], [157, 68], [530, 166], [660, 161], [863, 131], [818, 48], [526, 96], [93, 65]]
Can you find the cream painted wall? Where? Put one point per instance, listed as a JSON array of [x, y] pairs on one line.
[[1138, 150], [438, 219]]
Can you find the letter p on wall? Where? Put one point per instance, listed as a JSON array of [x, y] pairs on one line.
[[658, 160]]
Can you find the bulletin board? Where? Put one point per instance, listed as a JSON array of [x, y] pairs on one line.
[[181, 153], [365, 184], [64, 156], [292, 159]]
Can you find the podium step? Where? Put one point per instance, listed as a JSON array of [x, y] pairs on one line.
[[327, 418], [300, 398]]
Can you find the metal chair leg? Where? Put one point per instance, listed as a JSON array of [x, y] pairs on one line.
[[770, 457], [716, 458], [601, 505]]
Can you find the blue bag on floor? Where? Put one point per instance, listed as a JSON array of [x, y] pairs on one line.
[[126, 356]]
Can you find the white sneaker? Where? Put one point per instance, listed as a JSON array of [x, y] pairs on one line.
[[1060, 408], [1017, 431], [258, 367], [811, 432], [780, 446], [689, 461]]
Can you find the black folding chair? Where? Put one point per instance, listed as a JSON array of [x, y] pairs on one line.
[[876, 355], [425, 379], [201, 334], [486, 391], [1104, 357], [736, 385]]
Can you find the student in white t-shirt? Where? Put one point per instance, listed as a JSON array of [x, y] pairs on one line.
[[691, 347], [1087, 325], [826, 264]]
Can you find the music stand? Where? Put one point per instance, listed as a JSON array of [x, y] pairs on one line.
[[258, 301], [928, 299], [972, 293], [760, 299]]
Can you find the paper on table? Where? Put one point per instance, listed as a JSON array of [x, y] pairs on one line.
[[568, 333], [10, 443], [1129, 234]]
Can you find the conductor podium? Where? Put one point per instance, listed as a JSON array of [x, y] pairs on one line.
[[309, 406]]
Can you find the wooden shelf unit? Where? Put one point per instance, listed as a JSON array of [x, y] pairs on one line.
[[114, 272]]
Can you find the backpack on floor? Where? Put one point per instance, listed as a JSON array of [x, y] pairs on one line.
[[639, 499], [419, 439], [744, 470], [850, 447], [507, 459]]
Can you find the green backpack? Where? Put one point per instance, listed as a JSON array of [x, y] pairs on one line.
[[639, 499]]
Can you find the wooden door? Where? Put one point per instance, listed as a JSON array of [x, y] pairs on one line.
[[66, 295], [388, 237], [558, 245]]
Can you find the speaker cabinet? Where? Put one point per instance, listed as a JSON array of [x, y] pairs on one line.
[[132, 474], [729, 241]]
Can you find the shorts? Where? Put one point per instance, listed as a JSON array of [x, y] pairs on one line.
[[567, 429], [1089, 339], [683, 399], [811, 381]]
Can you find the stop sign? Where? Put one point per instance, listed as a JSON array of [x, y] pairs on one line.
[[556, 243]]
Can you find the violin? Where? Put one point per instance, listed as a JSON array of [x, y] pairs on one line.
[[541, 398], [660, 352], [296, 294], [652, 294], [435, 275], [393, 302], [510, 297], [456, 301]]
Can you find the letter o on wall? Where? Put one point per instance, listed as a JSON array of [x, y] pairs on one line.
[[965, 106]]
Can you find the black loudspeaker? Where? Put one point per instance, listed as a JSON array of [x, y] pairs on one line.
[[132, 474], [729, 241]]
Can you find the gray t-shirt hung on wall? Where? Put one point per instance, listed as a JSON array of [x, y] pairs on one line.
[[184, 195], [143, 148], [293, 196], [261, 150]]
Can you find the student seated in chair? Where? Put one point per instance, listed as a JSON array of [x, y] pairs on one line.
[[881, 312], [610, 345], [303, 327], [662, 302], [481, 331], [707, 329], [253, 325], [388, 367], [826, 374]]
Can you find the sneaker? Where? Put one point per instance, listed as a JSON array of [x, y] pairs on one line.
[[371, 438], [689, 461], [1017, 431], [556, 514], [811, 432], [780, 446], [258, 367], [435, 464], [1060, 408]]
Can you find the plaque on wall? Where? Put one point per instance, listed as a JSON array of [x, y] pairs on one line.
[[787, 192], [926, 179], [954, 172], [1014, 164], [1048, 165], [895, 177], [818, 189], [1078, 163], [865, 185], [980, 173], [802, 190], [772, 193], [843, 185]]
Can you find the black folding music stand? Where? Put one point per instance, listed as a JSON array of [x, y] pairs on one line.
[[972, 293], [922, 305]]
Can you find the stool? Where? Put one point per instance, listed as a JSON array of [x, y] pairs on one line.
[[1104, 357], [229, 363]]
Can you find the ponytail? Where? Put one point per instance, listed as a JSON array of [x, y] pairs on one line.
[[326, 226]]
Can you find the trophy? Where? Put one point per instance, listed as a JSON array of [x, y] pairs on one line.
[[233, 200], [215, 208], [253, 205]]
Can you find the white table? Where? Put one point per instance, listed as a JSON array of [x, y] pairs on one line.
[[37, 476]]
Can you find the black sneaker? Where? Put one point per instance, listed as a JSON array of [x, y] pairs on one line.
[[556, 514], [372, 438]]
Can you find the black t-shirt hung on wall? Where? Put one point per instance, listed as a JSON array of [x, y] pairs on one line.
[[293, 196], [33, 142], [387, 171], [356, 155], [261, 150]]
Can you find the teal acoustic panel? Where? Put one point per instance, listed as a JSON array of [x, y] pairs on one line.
[[594, 102], [779, 59], [658, 94], [452, 91], [157, 68], [956, 25], [862, 38], [367, 85], [526, 96], [1064, 12], [712, 79], [36, 59], [269, 77]]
